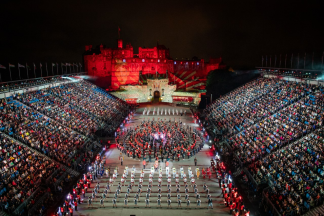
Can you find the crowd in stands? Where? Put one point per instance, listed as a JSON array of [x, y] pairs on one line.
[[94, 101], [273, 127], [295, 174], [22, 171], [43, 130], [277, 130], [40, 132], [253, 102], [57, 109], [18, 85]]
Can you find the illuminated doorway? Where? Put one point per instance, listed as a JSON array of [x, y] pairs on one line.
[[156, 94]]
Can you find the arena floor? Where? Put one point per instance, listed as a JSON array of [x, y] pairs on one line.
[[203, 158]]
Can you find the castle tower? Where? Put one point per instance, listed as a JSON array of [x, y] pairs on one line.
[[120, 43]]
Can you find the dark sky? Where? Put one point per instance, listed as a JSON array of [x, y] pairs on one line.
[[239, 31]]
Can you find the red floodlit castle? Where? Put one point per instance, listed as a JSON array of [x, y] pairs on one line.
[[126, 68]]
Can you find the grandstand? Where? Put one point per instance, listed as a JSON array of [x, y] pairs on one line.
[[48, 136], [269, 131], [274, 129]]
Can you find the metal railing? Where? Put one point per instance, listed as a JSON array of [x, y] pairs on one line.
[[20, 208], [269, 202], [33, 210], [26, 83]]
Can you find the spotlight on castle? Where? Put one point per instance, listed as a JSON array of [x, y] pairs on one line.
[[150, 75]]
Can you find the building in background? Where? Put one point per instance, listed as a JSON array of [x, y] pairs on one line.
[[126, 70]]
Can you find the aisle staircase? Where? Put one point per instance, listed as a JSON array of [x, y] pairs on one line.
[[316, 211]]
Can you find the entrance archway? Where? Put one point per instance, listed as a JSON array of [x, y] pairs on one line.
[[156, 94]]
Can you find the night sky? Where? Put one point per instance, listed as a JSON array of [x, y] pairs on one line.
[[239, 31]]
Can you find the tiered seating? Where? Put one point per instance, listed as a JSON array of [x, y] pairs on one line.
[[277, 130], [264, 123], [93, 101], [22, 171], [46, 121], [251, 103], [39, 132], [57, 109], [296, 174]]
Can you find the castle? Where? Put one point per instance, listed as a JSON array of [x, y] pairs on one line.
[[125, 69]]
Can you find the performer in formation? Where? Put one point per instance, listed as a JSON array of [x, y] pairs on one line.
[[161, 139], [166, 112]]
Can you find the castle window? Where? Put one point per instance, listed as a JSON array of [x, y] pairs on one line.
[[197, 63], [186, 63], [124, 60], [158, 60], [143, 60], [175, 62]]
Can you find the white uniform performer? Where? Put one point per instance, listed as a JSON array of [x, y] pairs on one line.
[[151, 181], [172, 111], [189, 172], [181, 172], [177, 178], [169, 112], [169, 180], [132, 181], [110, 181], [192, 181], [165, 111], [126, 169], [184, 180], [167, 171], [122, 181], [124, 175]]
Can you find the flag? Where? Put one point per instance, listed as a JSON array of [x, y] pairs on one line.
[[2, 67], [40, 64], [11, 65], [53, 64], [19, 65], [34, 66], [76, 65]]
